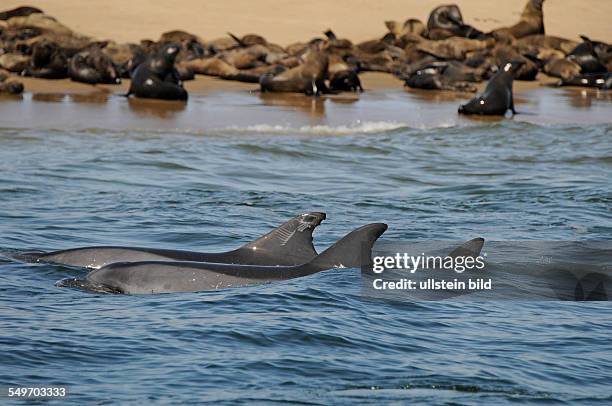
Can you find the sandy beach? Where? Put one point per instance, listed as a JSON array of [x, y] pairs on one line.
[[289, 21], [284, 23]]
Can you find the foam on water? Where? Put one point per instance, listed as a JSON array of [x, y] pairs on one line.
[[366, 127]]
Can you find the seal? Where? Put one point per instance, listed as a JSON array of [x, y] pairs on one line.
[[49, 61], [501, 54], [546, 41], [597, 80], [562, 68], [288, 244], [446, 21], [23, 11], [150, 277], [342, 76], [410, 26], [454, 48], [531, 22], [497, 97], [157, 78], [587, 55], [9, 86], [93, 66], [443, 75], [308, 77]]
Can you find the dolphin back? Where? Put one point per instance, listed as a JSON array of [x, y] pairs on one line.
[[288, 244]]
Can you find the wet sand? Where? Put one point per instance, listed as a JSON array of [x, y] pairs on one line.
[[215, 104]]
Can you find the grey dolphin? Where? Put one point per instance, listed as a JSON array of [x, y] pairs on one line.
[[149, 277], [288, 244]]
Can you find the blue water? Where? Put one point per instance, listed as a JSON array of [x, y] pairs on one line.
[[314, 340]]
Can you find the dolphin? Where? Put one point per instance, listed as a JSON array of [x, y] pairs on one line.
[[150, 277], [288, 244]]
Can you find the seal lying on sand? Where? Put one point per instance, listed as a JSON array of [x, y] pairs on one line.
[[308, 78], [156, 78], [93, 66], [352, 251], [497, 97], [598, 80], [49, 61], [562, 68], [9, 86], [446, 21], [587, 55], [288, 244], [438, 75]]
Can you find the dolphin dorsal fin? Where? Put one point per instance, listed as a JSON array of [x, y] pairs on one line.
[[291, 239], [470, 248], [352, 251]]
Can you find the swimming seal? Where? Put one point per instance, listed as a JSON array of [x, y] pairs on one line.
[[497, 97], [288, 244], [150, 277], [157, 78]]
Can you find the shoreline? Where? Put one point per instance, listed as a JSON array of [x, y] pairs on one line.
[[213, 105], [203, 85]]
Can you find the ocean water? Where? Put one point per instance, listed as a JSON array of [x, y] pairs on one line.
[[315, 340]]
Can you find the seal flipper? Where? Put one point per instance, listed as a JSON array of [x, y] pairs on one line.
[[292, 239], [353, 251], [512, 104], [238, 40]]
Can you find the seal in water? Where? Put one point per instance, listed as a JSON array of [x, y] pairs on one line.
[[497, 96], [352, 251], [157, 78], [288, 244]]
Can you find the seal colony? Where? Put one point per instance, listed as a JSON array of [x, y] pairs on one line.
[[444, 53]]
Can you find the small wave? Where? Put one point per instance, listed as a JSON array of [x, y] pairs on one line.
[[365, 127]]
